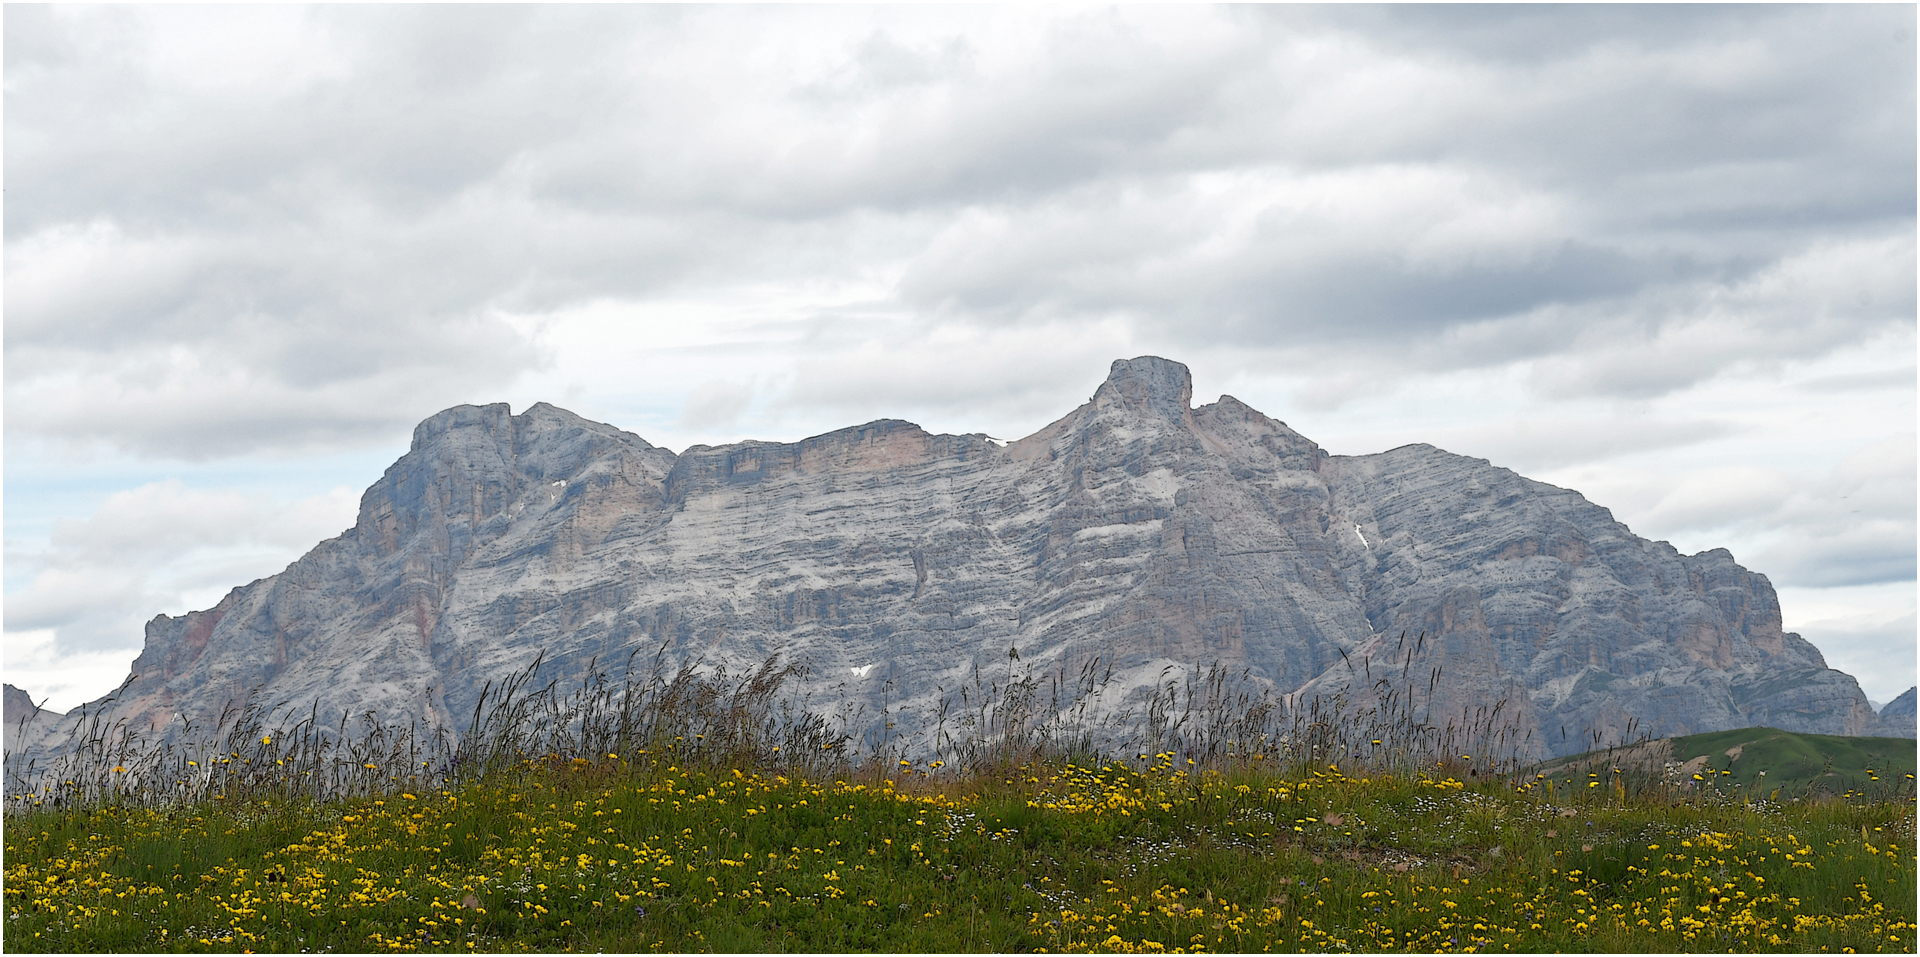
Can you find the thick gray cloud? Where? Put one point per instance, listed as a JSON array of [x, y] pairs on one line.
[[231, 229], [1565, 237]]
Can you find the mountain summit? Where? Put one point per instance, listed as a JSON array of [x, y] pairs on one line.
[[1156, 536]]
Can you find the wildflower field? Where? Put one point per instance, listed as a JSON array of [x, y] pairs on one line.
[[636, 852]]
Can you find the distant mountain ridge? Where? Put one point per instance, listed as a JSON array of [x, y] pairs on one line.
[[1157, 536]]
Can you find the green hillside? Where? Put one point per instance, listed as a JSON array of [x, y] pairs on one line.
[[1767, 758], [1759, 761]]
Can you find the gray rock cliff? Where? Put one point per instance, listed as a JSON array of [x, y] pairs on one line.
[[23, 720], [1137, 528], [1897, 718]]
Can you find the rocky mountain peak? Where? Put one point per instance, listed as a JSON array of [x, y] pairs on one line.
[[17, 705], [1136, 531], [1148, 385], [493, 421]]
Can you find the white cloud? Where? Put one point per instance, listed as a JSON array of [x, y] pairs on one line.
[[970, 379], [161, 548], [1855, 526], [1530, 445], [60, 679], [1850, 522], [1866, 631], [715, 405]]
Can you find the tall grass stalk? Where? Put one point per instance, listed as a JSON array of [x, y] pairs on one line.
[[1212, 718]]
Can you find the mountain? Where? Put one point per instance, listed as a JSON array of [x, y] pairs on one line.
[[1897, 718], [901, 565]]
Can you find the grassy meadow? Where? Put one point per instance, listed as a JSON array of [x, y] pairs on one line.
[[697, 819], [631, 854]]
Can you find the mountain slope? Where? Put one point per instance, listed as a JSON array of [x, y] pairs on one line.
[[1758, 761]]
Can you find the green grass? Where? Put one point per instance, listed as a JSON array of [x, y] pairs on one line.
[[698, 811], [629, 854]]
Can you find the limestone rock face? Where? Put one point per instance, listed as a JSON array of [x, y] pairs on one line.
[[1522, 583], [1896, 719], [900, 564], [22, 720], [18, 704]]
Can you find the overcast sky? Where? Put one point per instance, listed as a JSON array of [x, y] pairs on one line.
[[1661, 255]]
